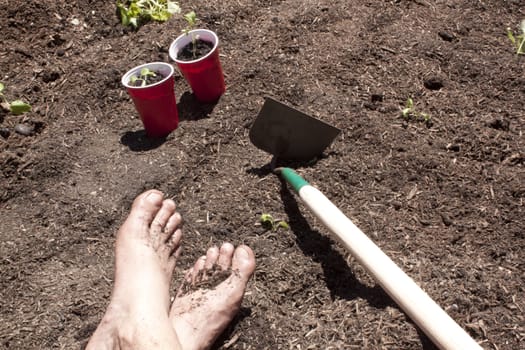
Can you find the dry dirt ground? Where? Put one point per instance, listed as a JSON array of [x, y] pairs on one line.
[[444, 198]]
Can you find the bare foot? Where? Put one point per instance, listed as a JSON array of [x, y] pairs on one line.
[[147, 246], [200, 313]]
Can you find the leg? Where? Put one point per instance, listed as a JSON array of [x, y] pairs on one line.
[[146, 248], [203, 309]]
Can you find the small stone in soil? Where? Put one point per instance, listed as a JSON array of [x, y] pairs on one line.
[[4, 132], [446, 36], [188, 54], [433, 83], [50, 76], [24, 129], [376, 97], [397, 205], [446, 219], [453, 147], [499, 124]]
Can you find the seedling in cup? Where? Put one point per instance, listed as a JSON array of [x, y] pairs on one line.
[[145, 77], [197, 47], [151, 87], [196, 52], [15, 107], [191, 19]]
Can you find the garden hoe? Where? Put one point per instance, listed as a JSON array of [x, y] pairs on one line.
[[287, 133]]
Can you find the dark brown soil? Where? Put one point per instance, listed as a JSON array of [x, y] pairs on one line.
[[445, 201], [193, 51]]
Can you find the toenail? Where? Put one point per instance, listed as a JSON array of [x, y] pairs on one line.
[[169, 202], [242, 253], [227, 247], [154, 196]]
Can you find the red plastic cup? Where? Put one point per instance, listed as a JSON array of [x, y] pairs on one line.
[[204, 75], [156, 103]]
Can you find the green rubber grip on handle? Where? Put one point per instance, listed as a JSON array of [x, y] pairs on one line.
[[294, 179]]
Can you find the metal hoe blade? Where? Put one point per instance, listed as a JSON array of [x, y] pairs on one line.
[[287, 133]]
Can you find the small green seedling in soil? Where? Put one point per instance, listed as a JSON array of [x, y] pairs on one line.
[[409, 107], [16, 107], [142, 78], [518, 40], [191, 20], [268, 222], [137, 12], [410, 112]]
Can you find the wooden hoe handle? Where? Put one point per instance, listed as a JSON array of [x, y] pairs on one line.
[[422, 309]]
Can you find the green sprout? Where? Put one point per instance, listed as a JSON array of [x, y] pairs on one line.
[[409, 108], [410, 112], [136, 12], [519, 40], [145, 73], [191, 20], [268, 222], [16, 107]]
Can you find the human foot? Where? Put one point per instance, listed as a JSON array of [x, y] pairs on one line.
[[200, 313], [146, 249]]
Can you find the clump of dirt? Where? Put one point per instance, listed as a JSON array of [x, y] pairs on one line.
[[206, 279]]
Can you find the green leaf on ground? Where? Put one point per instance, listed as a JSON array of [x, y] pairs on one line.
[[137, 12], [18, 107]]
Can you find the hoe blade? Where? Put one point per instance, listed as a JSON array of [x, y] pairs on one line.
[[287, 133]]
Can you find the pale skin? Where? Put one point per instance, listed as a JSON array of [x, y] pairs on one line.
[[139, 315]]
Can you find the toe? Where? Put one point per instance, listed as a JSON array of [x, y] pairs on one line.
[[243, 262], [174, 223], [198, 269], [211, 257], [173, 244], [174, 249], [225, 256], [162, 217], [146, 206]]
